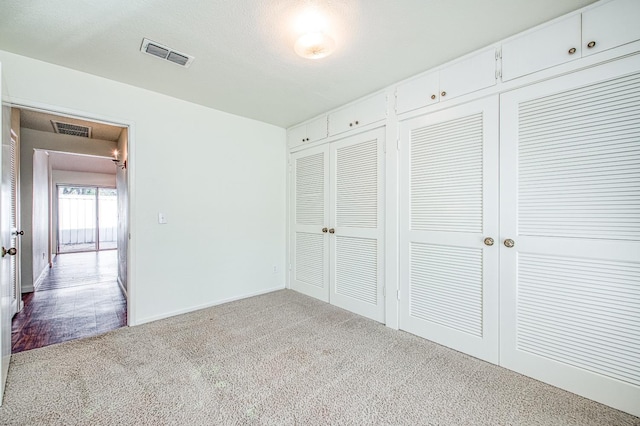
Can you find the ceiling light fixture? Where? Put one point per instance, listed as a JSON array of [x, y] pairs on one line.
[[314, 45]]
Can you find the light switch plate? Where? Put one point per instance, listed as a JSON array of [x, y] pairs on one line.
[[162, 218]]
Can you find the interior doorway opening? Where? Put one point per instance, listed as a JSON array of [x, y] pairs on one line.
[[87, 218]]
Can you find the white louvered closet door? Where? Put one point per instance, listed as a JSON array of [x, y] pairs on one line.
[[570, 201], [449, 205], [357, 250], [309, 215]]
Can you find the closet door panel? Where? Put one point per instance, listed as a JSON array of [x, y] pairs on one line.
[[449, 205], [570, 201], [357, 245], [310, 208]]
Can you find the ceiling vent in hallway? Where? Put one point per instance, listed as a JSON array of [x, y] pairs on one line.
[[71, 129], [163, 52]]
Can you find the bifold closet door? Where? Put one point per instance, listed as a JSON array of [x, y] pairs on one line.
[[449, 222], [357, 250], [570, 216], [309, 219]]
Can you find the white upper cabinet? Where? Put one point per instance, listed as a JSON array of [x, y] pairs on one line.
[[609, 25], [309, 132], [419, 92], [359, 114], [460, 78], [549, 46]]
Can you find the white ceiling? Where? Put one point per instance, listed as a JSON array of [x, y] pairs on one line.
[[244, 59], [81, 163]]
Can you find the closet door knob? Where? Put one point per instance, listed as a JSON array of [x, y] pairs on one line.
[[324, 230], [488, 241], [509, 243], [443, 93], [357, 122], [350, 124], [433, 96], [332, 231], [591, 44], [572, 51]]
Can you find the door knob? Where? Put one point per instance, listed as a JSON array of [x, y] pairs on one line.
[[11, 252], [509, 243], [17, 233], [324, 230], [332, 231], [488, 241]]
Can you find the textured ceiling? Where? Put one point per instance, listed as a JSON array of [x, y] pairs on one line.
[[41, 121], [244, 59], [81, 163]]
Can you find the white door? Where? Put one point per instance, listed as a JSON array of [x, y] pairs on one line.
[[16, 233], [309, 218], [448, 208], [570, 209], [5, 241], [356, 226]]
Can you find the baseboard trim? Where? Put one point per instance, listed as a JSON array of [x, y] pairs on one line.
[[206, 305], [123, 289], [38, 281]]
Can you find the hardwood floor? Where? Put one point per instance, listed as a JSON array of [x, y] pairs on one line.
[[79, 297]]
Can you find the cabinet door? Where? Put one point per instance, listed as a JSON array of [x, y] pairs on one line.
[[610, 25], [357, 250], [418, 93], [357, 115], [570, 202], [309, 214], [296, 135], [469, 75], [448, 206], [317, 129], [549, 46]]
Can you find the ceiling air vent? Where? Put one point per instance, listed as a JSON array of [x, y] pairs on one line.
[[163, 52], [71, 129]]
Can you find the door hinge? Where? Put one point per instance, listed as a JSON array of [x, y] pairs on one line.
[[498, 73], [398, 294], [498, 54]]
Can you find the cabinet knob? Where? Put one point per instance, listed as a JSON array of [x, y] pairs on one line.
[[591, 44], [325, 230], [488, 241], [509, 243], [357, 122], [302, 139], [332, 231], [572, 51], [307, 139], [350, 124], [433, 96], [443, 94]]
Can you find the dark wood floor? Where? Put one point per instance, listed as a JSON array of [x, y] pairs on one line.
[[79, 297]]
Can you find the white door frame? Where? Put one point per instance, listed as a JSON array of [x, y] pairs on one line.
[[131, 166]]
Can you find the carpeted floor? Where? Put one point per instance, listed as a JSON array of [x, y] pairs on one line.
[[280, 358]]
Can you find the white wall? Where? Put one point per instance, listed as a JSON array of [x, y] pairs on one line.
[[31, 140], [40, 224], [219, 178]]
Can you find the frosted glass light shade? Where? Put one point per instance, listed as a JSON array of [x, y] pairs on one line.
[[314, 45]]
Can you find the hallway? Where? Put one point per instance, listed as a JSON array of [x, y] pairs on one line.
[[79, 297]]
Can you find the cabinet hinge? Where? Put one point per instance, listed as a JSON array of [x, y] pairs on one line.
[[398, 294], [498, 54], [498, 73]]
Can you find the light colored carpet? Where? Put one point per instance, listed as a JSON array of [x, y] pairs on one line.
[[281, 358]]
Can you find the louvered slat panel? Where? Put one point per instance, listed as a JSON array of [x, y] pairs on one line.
[[310, 190], [584, 313], [309, 258], [579, 162], [14, 221], [446, 176], [446, 286], [357, 185], [357, 268]]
